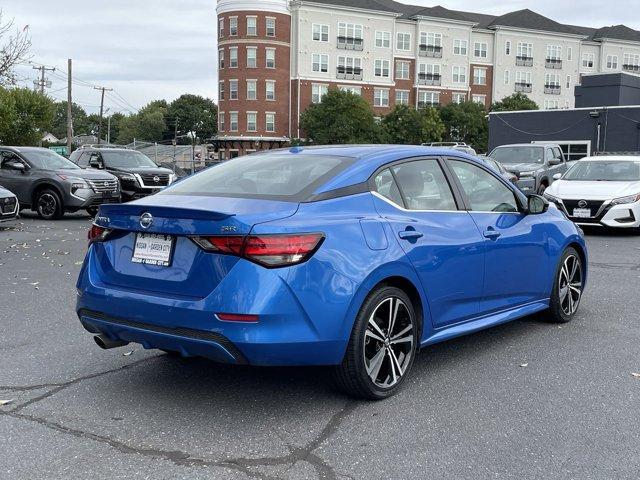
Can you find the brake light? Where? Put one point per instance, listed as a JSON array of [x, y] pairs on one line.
[[97, 233], [237, 317], [267, 250]]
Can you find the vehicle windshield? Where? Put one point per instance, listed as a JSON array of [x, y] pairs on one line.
[[520, 154], [126, 159], [605, 171], [48, 160], [268, 176]]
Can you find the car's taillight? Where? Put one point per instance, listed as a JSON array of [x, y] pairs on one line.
[[97, 234], [267, 250]]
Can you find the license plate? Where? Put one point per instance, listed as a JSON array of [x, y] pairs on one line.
[[152, 249], [582, 212]]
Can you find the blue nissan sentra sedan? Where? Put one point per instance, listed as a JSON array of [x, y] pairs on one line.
[[350, 256]]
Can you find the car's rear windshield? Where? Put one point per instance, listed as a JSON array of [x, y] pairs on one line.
[[605, 171], [520, 154], [126, 159], [286, 177]]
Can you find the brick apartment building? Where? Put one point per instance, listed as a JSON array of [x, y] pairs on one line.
[[276, 57]]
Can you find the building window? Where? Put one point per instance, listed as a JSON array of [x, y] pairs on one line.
[[551, 104], [459, 74], [431, 39], [233, 121], [403, 41], [428, 99], [481, 99], [349, 67], [233, 57], [507, 77], [568, 81], [554, 52], [252, 26], [252, 121], [270, 57], [233, 26], [479, 76], [569, 54], [271, 26], [233, 89], [320, 62], [612, 62], [221, 28], [524, 78], [351, 89], [383, 39], [320, 33], [402, 97], [221, 90], [525, 50], [221, 121], [402, 70], [507, 47], [381, 68], [631, 62], [460, 47], [588, 60], [480, 50], [221, 58], [349, 34], [458, 97], [429, 71], [252, 90], [270, 122], [552, 79], [270, 89], [318, 91], [252, 57], [381, 97]]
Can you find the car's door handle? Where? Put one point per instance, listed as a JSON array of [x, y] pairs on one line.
[[409, 234], [491, 233]]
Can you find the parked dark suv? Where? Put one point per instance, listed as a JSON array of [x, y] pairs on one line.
[[139, 176], [51, 185]]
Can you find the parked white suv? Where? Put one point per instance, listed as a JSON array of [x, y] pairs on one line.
[[603, 191]]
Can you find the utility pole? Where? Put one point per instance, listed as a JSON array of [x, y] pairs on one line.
[[43, 82], [103, 89], [69, 110], [175, 143]]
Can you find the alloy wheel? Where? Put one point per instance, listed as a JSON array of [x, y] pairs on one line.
[[47, 204], [388, 342], [570, 285]]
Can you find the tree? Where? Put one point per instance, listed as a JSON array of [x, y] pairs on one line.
[[466, 122], [406, 125], [29, 114], [148, 124], [14, 48], [517, 101], [59, 125], [197, 117], [341, 117]]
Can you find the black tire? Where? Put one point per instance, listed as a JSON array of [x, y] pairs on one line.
[[563, 308], [92, 211], [351, 375], [541, 189], [48, 205]]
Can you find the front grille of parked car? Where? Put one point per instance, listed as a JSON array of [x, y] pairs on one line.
[[594, 205], [7, 205], [101, 186], [155, 179]]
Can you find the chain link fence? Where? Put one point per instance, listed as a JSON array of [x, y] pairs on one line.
[[182, 159]]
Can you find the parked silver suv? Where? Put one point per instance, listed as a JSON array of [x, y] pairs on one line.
[[534, 164]]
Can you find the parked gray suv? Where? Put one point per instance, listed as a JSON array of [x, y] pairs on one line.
[[51, 185], [534, 164]]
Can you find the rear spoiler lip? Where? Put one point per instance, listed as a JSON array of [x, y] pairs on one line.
[[133, 210]]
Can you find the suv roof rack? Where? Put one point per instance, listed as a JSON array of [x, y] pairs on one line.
[[445, 144], [101, 145]]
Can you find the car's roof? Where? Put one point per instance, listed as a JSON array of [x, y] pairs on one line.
[[368, 158], [628, 158], [24, 149], [529, 145]]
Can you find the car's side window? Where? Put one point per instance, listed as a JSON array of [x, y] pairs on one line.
[[557, 153], [83, 161], [386, 186], [7, 158], [424, 186], [485, 192]]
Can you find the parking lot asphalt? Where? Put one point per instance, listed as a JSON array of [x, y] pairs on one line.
[[525, 400]]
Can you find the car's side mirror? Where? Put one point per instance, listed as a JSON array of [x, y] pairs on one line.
[[19, 166], [93, 163], [554, 161], [537, 204], [557, 176]]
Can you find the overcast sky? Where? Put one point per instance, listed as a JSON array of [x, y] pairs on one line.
[[149, 49]]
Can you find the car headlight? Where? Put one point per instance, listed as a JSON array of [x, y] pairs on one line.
[[127, 177], [627, 199], [76, 182], [527, 174], [172, 178], [551, 198]]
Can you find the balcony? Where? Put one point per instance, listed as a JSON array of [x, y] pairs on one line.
[[524, 87], [433, 51], [553, 63], [631, 68], [552, 89], [522, 61], [349, 73], [350, 43], [428, 104], [429, 79]]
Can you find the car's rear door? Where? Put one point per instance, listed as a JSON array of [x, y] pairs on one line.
[[439, 237], [17, 181], [516, 270]]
